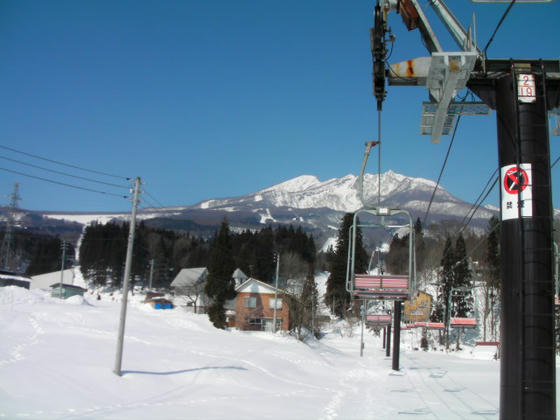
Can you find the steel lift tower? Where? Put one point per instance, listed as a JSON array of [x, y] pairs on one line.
[[522, 92], [7, 250]]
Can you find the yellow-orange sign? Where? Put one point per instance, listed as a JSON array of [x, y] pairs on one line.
[[419, 308]]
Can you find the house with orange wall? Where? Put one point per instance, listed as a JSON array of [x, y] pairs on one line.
[[253, 307]]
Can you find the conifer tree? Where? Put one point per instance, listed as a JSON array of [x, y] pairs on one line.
[[442, 312], [220, 285], [462, 276], [336, 296], [420, 245], [493, 253], [493, 275], [303, 309]]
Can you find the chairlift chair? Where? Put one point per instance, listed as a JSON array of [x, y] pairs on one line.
[[380, 286]]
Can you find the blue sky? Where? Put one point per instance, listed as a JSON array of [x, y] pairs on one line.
[[206, 99]]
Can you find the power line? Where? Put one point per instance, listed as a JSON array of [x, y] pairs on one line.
[[153, 198], [63, 173], [64, 164], [555, 162], [63, 183]]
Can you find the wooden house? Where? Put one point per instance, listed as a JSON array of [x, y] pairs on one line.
[[253, 307]]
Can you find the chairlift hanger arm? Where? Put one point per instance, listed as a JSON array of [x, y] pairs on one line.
[[369, 145]]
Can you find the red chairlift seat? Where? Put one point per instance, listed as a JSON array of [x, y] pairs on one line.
[[379, 320], [432, 325], [381, 287], [463, 323]]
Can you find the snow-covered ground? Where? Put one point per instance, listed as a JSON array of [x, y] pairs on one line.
[[57, 359]]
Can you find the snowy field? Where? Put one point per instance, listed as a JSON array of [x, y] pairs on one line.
[[57, 359]]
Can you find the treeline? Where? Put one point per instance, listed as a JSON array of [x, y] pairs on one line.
[[33, 253], [103, 252]]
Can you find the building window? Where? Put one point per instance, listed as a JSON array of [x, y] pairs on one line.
[[250, 302], [278, 303], [254, 321]]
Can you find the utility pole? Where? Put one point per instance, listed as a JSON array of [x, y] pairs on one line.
[[151, 272], [276, 292], [363, 310], [128, 263], [62, 268]]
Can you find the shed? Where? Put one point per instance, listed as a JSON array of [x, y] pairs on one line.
[[66, 290], [8, 278], [190, 283], [189, 277]]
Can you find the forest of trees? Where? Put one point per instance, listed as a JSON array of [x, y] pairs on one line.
[[34, 253], [103, 250]]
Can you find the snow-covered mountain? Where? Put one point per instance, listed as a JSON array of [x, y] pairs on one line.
[[342, 195], [316, 205]]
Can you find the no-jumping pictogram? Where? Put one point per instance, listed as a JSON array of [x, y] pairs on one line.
[[515, 180]]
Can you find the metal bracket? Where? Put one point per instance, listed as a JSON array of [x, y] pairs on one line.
[[448, 73], [455, 108]]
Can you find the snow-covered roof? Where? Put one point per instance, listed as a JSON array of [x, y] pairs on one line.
[[238, 274], [190, 277], [252, 285], [67, 286], [6, 276], [71, 276]]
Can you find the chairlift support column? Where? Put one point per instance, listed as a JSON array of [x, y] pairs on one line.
[[527, 378]]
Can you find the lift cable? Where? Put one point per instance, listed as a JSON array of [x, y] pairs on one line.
[[62, 183], [478, 203], [442, 169], [63, 173], [498, 26], [480, 199], [65, 164]]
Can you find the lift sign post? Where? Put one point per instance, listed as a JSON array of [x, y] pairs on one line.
[[526, 88], [517, 193]]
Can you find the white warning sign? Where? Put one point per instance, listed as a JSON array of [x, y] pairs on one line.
[[517, 193]]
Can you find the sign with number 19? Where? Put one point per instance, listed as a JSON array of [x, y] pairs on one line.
[[526, 90]]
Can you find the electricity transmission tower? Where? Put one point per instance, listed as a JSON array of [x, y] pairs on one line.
[[7, 252]]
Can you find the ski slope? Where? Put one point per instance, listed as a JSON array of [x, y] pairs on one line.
[[57, 357]]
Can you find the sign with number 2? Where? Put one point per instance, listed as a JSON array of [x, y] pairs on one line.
[[526, 91]]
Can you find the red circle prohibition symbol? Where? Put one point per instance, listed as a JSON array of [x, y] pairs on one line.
[[515, 180]]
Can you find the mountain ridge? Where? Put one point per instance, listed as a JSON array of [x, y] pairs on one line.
[[317, 206]]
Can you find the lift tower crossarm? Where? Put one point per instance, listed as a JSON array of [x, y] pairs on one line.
[[444, 73], [414, 18], [457, 31]]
